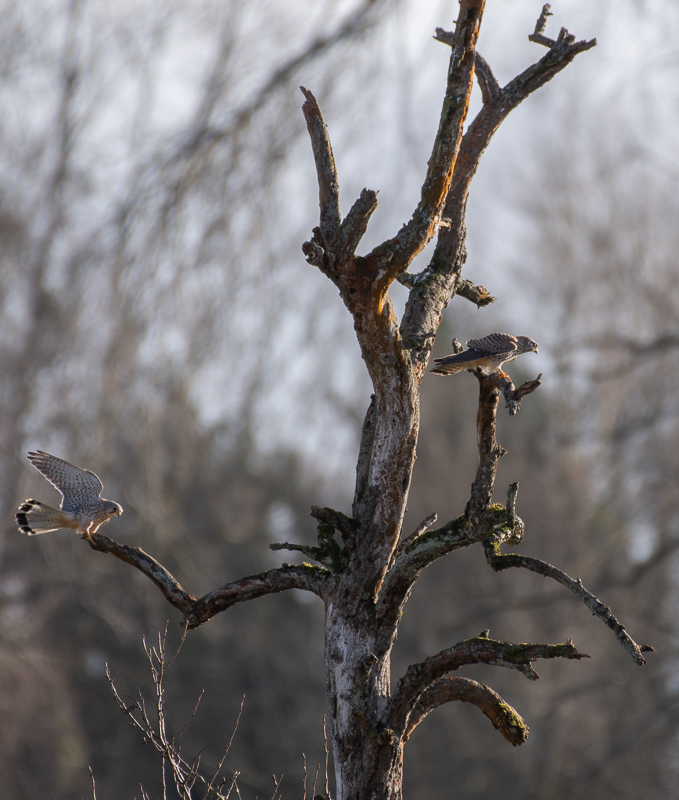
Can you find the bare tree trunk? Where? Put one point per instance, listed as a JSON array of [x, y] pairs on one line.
[[368, 756], [366, 575]]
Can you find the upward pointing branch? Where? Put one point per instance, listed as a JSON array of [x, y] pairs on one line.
[[328, 182], [433, 288], [415, 234]]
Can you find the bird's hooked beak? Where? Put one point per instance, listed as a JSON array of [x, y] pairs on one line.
[[119, 510]]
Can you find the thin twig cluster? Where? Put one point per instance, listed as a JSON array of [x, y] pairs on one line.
[[185, 775]]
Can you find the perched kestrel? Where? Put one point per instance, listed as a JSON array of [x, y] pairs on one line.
[[82, 506], [490, 353]]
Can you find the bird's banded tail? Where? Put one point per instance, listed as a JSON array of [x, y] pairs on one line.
[[34, 517]]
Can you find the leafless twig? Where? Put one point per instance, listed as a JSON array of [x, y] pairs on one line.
[[185, 775], [276, 785], [313, 788], [94, 787]]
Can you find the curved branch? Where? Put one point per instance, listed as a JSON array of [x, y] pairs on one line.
[[447, 690], [339, 521], [499, 561], [168, 585], [479, 650], [304, 576], [491, 92], [423, 548], [197, 611], [410, 558]]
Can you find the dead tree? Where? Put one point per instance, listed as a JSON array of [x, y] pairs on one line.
[[365, 567]]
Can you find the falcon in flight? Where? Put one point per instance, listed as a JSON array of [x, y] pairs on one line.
[[489, 353], [82, 506]]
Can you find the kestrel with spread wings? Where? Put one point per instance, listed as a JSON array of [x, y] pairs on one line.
[[82, 506], [490, 353]]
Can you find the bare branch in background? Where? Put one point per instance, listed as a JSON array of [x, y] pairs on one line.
[[154, 728]]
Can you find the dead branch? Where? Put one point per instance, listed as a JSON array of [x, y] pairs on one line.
[[435, 286], [514, 396], [355, 225], [427, 522], [538, 34], [308, 550], [475, 294], [491, 91], [185, 774], [339, 521], [415, 234], [156, 572], [288, 576], [499, 561], [447, 690], [478, 650], [198, 611], [326, 170], [490, 452]]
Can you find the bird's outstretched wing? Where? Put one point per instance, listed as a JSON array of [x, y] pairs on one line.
[[74, 484]]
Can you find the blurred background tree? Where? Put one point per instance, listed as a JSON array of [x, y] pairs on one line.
[[160, 325]]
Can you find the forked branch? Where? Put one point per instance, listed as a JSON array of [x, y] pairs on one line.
[[478, 650], [424, 223], [333, 246], [197, 611], [435, 286]]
